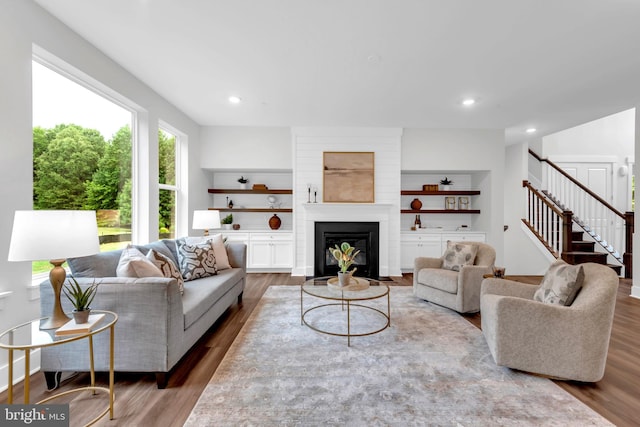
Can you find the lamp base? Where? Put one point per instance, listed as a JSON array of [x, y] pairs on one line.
[[57, 276]]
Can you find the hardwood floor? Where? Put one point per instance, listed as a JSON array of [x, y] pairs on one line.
[[140, 403]]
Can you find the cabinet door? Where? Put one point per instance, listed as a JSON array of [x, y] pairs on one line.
[[259, 254], [414, 246], [282, 254]]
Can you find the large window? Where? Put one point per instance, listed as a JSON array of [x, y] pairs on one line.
[[81, 155], [168, 183]]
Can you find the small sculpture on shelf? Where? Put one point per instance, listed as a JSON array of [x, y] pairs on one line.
[[243, 182]]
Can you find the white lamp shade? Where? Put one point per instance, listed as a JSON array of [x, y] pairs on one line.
[[206, 220], [47, 235]]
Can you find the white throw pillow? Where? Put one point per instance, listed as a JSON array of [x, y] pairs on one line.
[[133, 263], [458, 255], [222, 259], [560, 284], [167, 267]]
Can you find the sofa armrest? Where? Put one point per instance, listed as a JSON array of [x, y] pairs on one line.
[[150, 316], [237, 253]]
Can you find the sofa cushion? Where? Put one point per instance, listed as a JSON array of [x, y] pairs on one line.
[[458, 255], [168, 267], [160, 247], [437, 278], [103, 264], [560, 284], [134, 264], [201, 294], [197, 260], [222, 259]]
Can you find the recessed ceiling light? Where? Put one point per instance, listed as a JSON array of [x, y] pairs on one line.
[[235, 99], [531, 130], [468, 102]]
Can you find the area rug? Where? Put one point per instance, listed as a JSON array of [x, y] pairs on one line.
[[431, 367]]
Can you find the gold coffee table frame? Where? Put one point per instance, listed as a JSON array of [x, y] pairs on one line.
[[40, 338], [317, 287]]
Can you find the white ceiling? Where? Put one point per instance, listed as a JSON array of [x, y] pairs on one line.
[[550, 64]]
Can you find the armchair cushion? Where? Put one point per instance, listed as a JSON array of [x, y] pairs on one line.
[[560, 284], [445, 280], [459, 254]]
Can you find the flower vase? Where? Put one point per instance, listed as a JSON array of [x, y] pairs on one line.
[[344, 279], [243, 185]]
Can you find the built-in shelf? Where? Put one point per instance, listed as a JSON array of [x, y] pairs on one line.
[[267, 210], [249, 191], [440, 193], [440, 211]]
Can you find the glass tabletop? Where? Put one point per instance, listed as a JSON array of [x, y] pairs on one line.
[[29, 335], [321, 287]]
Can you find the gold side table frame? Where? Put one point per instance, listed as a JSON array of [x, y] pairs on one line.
[[40, 338], [317, 287]]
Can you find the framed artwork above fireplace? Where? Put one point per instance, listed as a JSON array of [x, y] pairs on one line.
[[348, 177]]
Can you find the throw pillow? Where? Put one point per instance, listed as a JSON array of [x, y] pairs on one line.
[[167, 267], [197, 260], [458, 255], [134, 264], [222, 259], [560, 284]]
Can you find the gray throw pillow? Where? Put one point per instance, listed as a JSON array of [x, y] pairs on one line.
[[458, 255], [197, 260], [560, 284]]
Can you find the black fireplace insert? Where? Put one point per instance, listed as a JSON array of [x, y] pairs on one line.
[[361, 235]]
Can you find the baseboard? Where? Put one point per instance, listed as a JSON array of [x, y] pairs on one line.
[[18, 369]]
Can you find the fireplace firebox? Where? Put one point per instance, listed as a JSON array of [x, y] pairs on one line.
[[361, 235]]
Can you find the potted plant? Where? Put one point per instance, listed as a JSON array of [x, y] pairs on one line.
[[243, 182], [446, 184], [227, 221], [81, 299], [345, 254]]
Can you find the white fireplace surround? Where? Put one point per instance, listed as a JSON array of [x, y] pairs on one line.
[[346, 212]]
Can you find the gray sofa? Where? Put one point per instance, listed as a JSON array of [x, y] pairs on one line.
[[156, 325]]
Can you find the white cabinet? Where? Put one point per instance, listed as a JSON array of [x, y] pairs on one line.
[[270, 251], [418, 245]]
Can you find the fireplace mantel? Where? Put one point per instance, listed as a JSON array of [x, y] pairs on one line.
[[347, 212]]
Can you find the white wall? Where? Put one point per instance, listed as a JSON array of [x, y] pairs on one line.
[[609, 139], [477, 151], [522, 254], [246, 148], [22, 25]]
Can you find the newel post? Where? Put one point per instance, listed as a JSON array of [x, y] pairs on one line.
[[567, 228], [628, 244]]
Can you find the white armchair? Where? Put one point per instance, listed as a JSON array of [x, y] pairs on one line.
[[566, 342], [457, 290]]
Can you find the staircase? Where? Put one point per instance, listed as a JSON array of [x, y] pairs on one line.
[[584, 251], [561, 215]]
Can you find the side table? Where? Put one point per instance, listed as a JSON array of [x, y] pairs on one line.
[[29, 336]]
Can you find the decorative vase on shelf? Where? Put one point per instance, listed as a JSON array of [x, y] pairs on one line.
[[416, 204], [275, 222], [344, 278], [243, 185]]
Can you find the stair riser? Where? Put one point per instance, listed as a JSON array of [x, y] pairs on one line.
[[582, 257], [583, 246]]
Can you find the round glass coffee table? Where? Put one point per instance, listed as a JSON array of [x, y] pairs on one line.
[[344, 300]]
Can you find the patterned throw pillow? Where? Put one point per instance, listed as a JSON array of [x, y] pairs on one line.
[[458, 255], [560, 284], [167, 267], [197, 260], [134, 264], [222, 259]]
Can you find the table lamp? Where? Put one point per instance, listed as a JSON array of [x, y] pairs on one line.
[[54, 236], [206, 220]]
